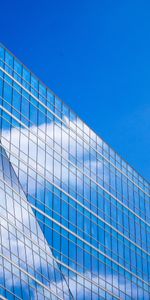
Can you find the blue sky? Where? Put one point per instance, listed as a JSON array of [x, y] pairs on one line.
[[96, 56]]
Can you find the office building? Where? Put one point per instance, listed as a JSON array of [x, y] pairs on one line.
[[74, 216]]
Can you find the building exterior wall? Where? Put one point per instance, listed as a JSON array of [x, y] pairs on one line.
[[78, 211]]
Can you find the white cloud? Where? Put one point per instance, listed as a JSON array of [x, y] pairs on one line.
[[40, 159]]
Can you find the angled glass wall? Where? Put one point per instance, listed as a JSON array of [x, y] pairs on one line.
[[28, 268], [92, 207]]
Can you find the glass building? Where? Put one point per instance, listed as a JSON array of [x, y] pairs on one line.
[[74, 216]]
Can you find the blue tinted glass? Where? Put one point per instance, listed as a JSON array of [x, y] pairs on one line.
[[74, 215]]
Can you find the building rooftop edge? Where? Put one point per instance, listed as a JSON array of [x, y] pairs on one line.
[[133, 168]]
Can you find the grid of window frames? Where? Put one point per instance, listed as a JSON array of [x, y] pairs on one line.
[[92, 207], [28, 269]]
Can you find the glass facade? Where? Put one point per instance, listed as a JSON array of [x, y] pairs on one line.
[[75, 217]]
